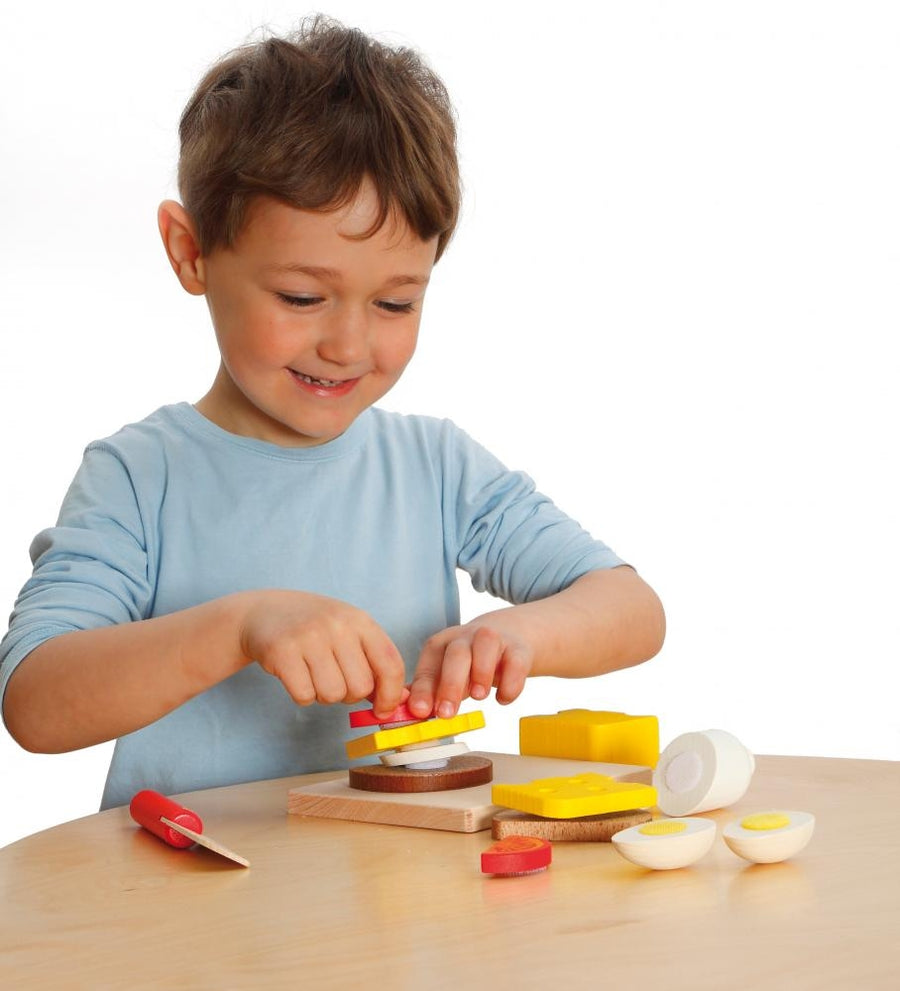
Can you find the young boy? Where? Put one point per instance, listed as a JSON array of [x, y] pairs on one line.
[[223, 574]]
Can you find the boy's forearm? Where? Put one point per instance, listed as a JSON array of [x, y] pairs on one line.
[[90, 686], [604, 621]]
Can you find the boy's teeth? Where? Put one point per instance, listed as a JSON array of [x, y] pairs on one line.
[[328, 383]]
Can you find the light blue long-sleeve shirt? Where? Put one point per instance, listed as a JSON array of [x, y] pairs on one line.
[[174, 511]]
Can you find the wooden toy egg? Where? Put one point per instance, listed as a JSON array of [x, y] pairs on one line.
[[666, 844], [769, 837]]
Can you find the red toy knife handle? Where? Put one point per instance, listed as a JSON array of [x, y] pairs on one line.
[[146, 809]]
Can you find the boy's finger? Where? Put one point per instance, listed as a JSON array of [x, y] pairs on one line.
[[297, 680], [358, 674], [455, 671], [387, 696], [327, 678], [387, 666], [487, 649], [425, 680], [514, 668], [404, 695]]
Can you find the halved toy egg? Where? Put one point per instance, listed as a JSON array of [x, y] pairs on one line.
[[768, 837], [665, 844]]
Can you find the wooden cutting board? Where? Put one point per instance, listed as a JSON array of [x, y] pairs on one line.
[[465, 810]]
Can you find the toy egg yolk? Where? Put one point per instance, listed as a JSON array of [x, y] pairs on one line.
[[662, 827], [765, 821]]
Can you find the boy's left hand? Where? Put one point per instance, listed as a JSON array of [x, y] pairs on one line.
[[466, 661]]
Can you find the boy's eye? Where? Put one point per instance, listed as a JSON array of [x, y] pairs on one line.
[[299, 300], [386, 304]]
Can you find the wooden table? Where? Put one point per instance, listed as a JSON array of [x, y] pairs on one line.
[[99, 903]]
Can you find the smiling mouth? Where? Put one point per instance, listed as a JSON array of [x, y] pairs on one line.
[[324, 388], [325, 383]]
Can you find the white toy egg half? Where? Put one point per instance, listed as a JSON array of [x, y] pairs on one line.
[[665, 844], [769, 837]]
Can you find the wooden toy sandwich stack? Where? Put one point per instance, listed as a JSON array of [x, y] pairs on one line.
[[416, 755]]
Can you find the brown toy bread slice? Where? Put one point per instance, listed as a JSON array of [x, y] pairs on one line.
[[460, 772], [598, 828]]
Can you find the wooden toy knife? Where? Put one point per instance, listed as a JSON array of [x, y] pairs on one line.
[[176, 825]]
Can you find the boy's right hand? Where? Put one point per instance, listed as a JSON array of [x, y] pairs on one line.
[[321, 649]]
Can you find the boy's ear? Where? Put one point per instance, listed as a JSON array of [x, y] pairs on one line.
[[182, 246]]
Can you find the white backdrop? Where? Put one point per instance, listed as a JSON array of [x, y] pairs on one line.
[[672, 300]]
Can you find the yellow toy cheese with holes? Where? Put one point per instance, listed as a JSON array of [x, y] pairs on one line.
[[402, 736], [582, 734], [574, 796]]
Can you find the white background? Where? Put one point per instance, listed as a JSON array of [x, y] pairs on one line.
[[672, 299]]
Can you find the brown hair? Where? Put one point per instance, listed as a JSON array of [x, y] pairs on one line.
[[305, 119]]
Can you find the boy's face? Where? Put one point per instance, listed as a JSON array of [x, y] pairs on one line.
[[313, 325]]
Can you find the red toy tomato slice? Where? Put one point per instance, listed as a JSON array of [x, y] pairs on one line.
[[516, 855]]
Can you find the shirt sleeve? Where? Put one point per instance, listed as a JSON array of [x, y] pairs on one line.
[[512, 540], [90, 570]]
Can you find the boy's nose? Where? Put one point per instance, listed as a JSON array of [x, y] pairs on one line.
[[345, 340]]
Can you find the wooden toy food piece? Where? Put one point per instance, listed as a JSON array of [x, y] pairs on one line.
[[419, 762], [460, 772], [420, 732], [769, 837], [582, 734], [516, 855], [578, 795], [366, 717], [666, 844], [699, 772], [423, 755], [583, 829]]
